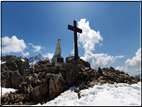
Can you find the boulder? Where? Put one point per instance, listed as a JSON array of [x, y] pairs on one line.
[[70, 59], [12, 70], [5, 81], [56, 85], [11, 79], [84, 63], [76, 90], [70, 78], [14, 63], [47, 62], [99, 71], [16, 79]]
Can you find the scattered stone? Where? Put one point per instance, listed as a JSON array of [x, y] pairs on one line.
[[76, 90], [87, 68], [78, 94], [99, 71]]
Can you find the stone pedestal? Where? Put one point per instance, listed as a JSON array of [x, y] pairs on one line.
[[57, 60], [70, 59]]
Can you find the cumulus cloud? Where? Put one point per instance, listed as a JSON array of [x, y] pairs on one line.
[[25, 54], [89, 38], [48, 55], [37, 48], [99, 60], [132, 66], [13, 44], [120, 68]]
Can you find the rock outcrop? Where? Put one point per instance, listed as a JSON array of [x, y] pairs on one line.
[[13, 70], [110, 75], [43, 81]]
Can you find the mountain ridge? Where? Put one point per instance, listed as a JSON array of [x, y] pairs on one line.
[[37, 58]]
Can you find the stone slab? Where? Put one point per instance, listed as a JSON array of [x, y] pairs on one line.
[[57, 60]]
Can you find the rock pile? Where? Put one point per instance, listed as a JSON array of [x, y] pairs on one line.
[[43, 81], [110, 75], [12, 70]]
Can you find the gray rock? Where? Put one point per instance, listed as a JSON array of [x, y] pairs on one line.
[[56, 84]]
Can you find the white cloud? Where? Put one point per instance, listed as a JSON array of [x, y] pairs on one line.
[[99, 60], [132, 66], [37, 48], [48, 55], [72, 52], [89, 38], [25, 54], [121, 56], [120, 68], [13, 44]]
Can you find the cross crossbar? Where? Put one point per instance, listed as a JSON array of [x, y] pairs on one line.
[[75, 29]]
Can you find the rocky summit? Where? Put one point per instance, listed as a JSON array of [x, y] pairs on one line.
[[44, 81], [12, 70]]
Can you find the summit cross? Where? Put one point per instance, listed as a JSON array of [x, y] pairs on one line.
[[75, 29]]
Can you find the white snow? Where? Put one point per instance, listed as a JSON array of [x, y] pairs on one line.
[[5, 90], [35, 59], [120, 94], [32, 63], [23, 60], [3, 62]]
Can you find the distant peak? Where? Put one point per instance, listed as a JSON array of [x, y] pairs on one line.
[[35, 59]]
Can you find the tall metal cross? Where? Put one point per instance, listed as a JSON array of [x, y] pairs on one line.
[[75, 29]]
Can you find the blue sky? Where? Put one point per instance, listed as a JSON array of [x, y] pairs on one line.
[[41, 24]]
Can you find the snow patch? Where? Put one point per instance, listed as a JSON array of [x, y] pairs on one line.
[[3, 62], [120, 94], [23, 60], [5, 90], [35, 59]]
